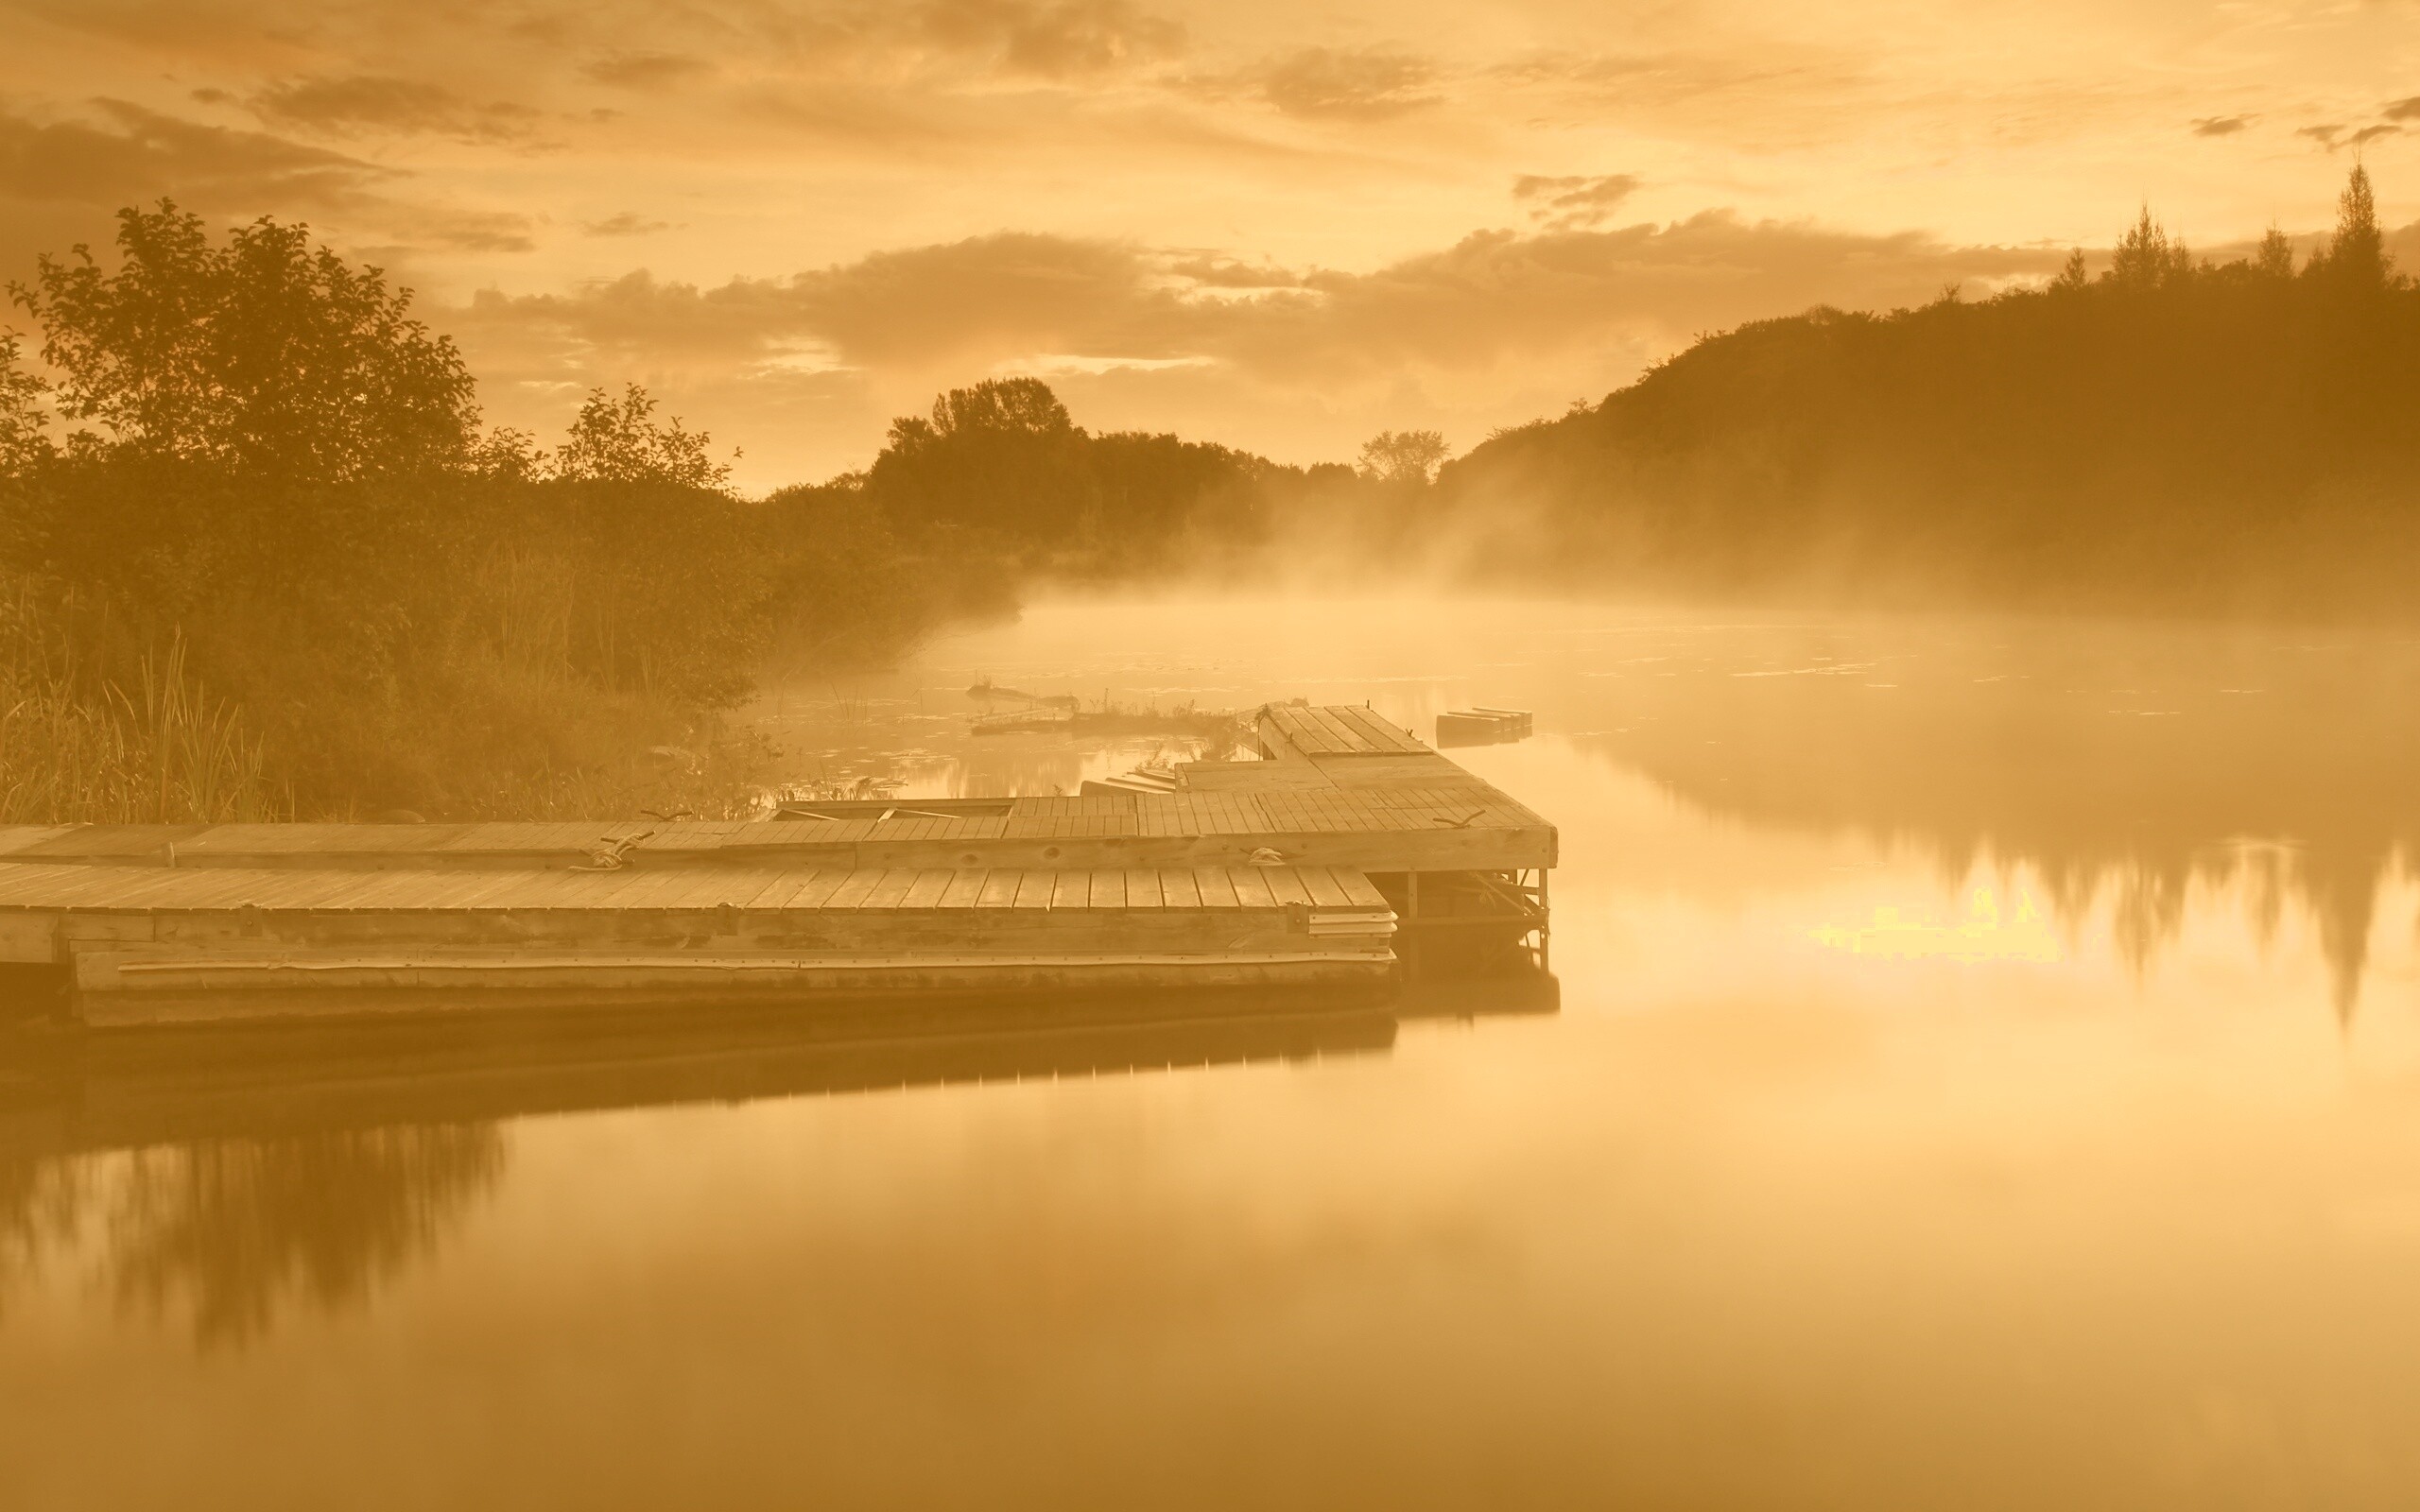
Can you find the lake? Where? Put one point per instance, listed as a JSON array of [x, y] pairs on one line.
[[1983, 1071]]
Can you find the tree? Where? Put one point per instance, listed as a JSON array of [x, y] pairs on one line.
[[1403, 457], [1003, 458], [1013, 405], [2146, 258], [619, 441], [22, 441], [2356, 257], [2275, 258], [2071, 273], [267, 357]]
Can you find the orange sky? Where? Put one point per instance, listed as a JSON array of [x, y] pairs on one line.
[[1280, 225]]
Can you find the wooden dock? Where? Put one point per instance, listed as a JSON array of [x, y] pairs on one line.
[[1307, 868]]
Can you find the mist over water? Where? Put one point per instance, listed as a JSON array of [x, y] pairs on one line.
[[1987, 1074]]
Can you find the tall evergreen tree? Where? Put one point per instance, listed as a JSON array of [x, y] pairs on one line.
[[2147, 257], [2356, 257], [2275, 258]]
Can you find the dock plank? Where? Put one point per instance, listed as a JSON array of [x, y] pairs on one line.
[[856, 888], [1251, 886], [818, 889], [1284, 885], [1000, 888], [1325, 891], [1346, 738], [1034, 889]]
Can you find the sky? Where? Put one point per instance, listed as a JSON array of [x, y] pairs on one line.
[[1283, 227]]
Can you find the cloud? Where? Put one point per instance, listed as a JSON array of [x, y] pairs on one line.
[[1498, 328], [362, 103], [1318, 82], [1576, 200], [1496, 296], [465, 231], [647, 71], [1067, 40], [2403, 109], [628, 223], [2333, 137], [2221, 125], [1210, 270], [141, 154]]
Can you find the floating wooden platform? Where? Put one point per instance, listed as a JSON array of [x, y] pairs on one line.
[[1482, 727], [1293, 871]]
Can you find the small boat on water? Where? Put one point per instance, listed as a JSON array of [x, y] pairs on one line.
[[1025, 721], [1477, 726], [1110, 720]]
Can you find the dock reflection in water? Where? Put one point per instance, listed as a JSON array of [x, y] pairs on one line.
[[227, 1174]]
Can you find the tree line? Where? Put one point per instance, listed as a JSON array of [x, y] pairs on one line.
[[2169, 434]]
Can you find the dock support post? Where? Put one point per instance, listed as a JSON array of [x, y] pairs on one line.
[[1546, 920]]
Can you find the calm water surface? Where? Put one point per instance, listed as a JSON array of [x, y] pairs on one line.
[[1987, 1074]]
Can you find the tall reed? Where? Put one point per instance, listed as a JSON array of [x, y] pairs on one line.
[[151, 748]]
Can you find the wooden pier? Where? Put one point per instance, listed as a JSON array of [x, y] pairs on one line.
[[1348, 847]]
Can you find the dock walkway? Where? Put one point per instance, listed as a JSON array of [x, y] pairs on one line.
[[1295, 869]]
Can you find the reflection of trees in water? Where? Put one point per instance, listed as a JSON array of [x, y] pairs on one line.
[[2337, 888], [2125, 766], [40, 1201], [237, 1229]]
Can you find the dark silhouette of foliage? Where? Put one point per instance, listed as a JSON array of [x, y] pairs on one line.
[[1000, 471], [2356, 257], [2275, 259], [1403, 457], [265, 357], [23, 445], [277, 472], [2172, 435], [2147, 258], [620, 441]]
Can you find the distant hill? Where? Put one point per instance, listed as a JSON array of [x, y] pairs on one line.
[[2170, 434]]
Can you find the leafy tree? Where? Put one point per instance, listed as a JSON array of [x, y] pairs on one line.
[[2071, 273], [619, 441], [269, 356], [22, 441], [1403, 457], [1001, 458], [670, 582]]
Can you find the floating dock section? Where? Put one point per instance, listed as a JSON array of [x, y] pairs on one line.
[[1348, 849]]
